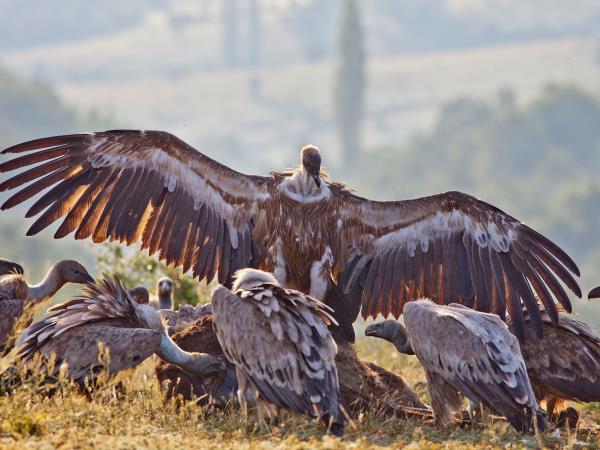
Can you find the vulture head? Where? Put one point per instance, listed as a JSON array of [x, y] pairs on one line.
[[249, 278], [72, 272], [392, 331], [165, 287], [140, 295], [311, 163]]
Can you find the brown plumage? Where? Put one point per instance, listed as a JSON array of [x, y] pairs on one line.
[[314, 234], [106, 313], [280, 345], [16, 294], [7, 267], [565, 363], [466, 352]]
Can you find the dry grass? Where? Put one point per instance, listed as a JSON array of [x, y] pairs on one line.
[[129, 412]]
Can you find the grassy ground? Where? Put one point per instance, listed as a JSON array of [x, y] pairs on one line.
[[135, 416]]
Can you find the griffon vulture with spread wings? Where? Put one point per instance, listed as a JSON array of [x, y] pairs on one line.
[[314, 234]]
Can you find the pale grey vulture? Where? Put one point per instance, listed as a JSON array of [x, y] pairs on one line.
[[105, 313], [16, 294], [7, 267], [314, 234], [466, 352], [280, 345]]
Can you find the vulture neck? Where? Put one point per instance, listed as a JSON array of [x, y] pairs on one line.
[[170, 352], [51, 283], [402, 344]]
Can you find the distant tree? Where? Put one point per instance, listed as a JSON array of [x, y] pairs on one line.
[[254, 33], [349, 80], [230, 31], [310, 23]]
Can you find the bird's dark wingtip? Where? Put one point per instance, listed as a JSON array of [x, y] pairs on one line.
[[594, 293]]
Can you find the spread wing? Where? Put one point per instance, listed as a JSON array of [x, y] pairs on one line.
[[146, 186], [566, 360], [451, 247], [279, 341], [473, 352], [104, 300]]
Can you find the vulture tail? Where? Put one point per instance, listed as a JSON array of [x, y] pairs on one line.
[[345, 310]]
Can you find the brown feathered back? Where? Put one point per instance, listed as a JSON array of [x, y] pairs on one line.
[[565, 362]]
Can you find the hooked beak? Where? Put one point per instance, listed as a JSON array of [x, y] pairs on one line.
[[88, 279], [317, 179], [594, 293], [369, 331], [18, 269]]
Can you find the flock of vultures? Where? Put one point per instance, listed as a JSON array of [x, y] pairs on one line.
[[297, 257]]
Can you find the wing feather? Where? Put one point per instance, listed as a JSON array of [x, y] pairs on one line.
[[105, 300], [453, 248], [565, 362], [125, 185]]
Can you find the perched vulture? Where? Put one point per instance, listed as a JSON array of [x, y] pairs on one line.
[[280, 345], [106, 313], [466, 352], [140, 295], [7, 267], [314, 234], [164, 294], [15, 293], [565, 363]]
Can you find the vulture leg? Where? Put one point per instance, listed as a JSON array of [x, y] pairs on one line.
[[241, 394], [445, 399]]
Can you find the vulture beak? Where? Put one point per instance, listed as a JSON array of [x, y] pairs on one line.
[[18, 269], [88, 279], [369, 331], [317, 179], [594, 293]]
